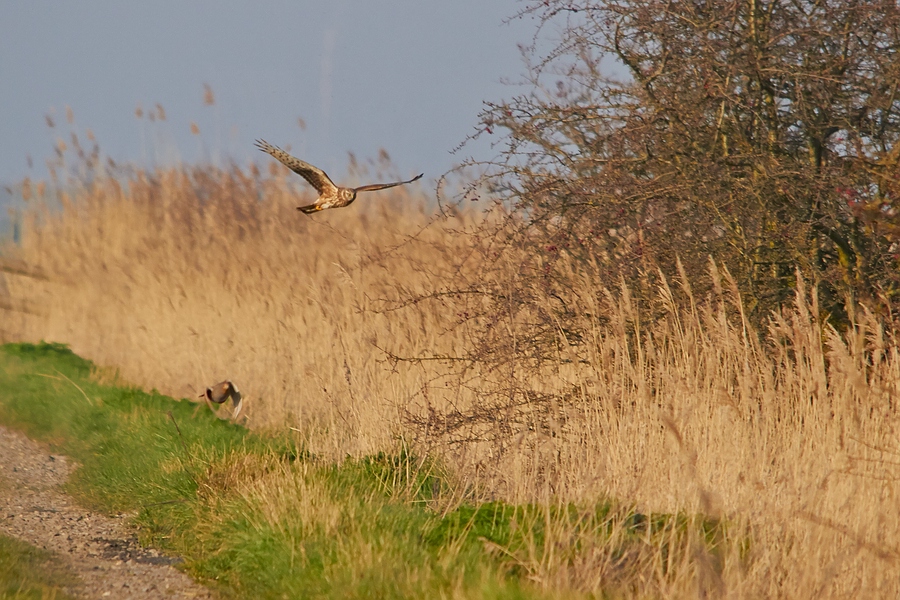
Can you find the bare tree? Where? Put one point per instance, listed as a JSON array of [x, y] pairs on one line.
[[657, 135], [762, 133]]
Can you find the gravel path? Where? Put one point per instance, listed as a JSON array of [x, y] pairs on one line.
[[102, 551]]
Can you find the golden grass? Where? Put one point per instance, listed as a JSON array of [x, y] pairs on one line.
[[182, 278], [245, 288]]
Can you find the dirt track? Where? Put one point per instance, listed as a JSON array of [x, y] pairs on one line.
[[102, 551]]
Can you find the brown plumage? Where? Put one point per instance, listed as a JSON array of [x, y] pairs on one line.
[[222, 391], [330, 195]]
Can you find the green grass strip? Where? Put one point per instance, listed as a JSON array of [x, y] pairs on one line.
[[252, 515], [257, 516]]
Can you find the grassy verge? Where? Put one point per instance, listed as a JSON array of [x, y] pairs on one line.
[[27, 572], [257, 516]]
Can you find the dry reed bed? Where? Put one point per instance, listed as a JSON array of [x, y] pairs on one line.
[[181, 278]]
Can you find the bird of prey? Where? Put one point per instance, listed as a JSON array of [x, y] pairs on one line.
[[221, 392], [330, 195]]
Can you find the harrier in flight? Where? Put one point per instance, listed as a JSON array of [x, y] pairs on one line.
[[330, 195]]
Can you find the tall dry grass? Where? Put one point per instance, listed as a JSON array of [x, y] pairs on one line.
[[179, 278]]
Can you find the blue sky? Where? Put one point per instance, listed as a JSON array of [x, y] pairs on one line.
[[408, 76]]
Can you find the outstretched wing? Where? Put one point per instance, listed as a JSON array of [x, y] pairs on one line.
[[381, 186], [314, 175]]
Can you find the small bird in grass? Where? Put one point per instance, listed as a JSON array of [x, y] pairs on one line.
[[330, 195], [221, 392]]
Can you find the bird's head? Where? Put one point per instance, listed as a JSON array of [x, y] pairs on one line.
[[347, 195]]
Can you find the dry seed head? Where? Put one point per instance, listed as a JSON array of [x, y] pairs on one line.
[[90, 135], [301, 123], [41, 188], [160, 112], [70, 116], [61, 145], [194, 129], [139, 112], [26, 189], [50, 122], [208, 97]]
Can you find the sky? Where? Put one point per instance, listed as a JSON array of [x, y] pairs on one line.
[[408, 76]]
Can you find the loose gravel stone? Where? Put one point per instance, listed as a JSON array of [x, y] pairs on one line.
[[103, 551]]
